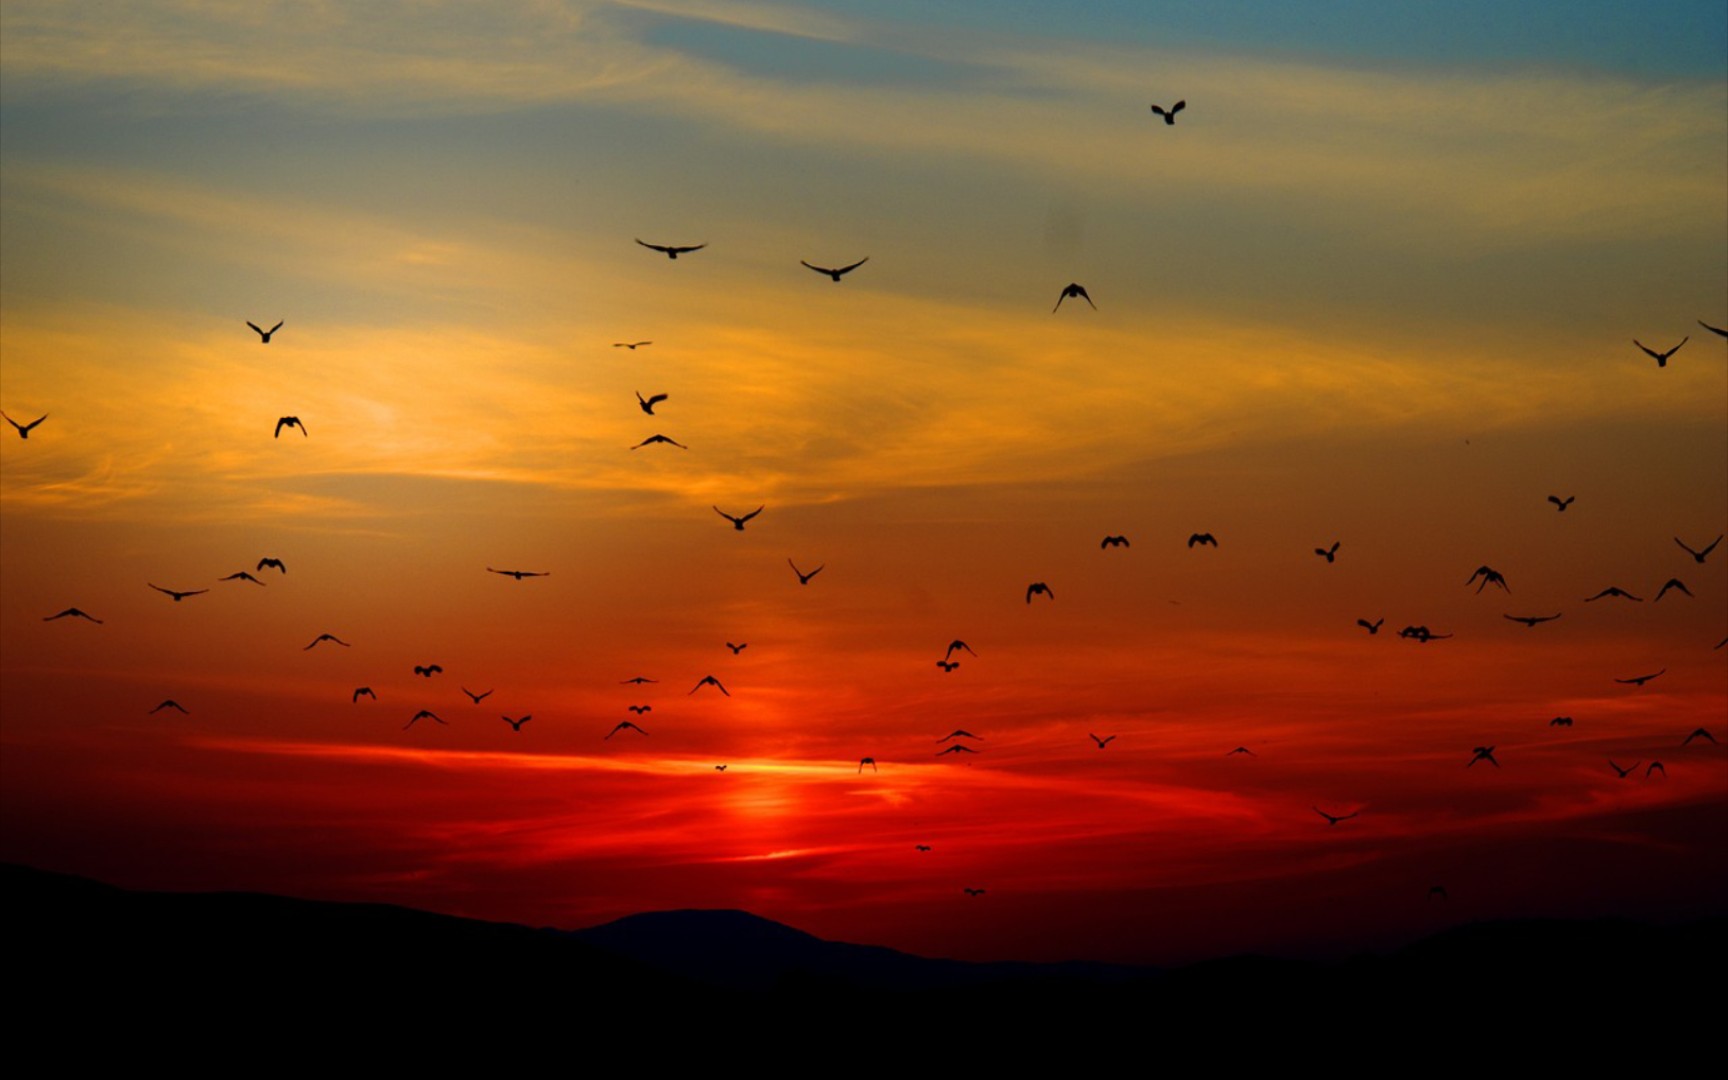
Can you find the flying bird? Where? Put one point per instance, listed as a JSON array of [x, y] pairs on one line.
[[516, 725], [1114, 541], [1641, 679], [367, 690], [1422, 634], [1169, 114], [870, 761], [1038, 587], [423, 714], [631, 345], [640, 709], [973, 892], [1652, 767], [957, 644], [289, 421], [948, 665], [957, 748], [1532, 620], [520, 574], [1073, 289], [1698, 556], [962, 733], [1202, 538], [1489, 576], [328, 637], [670, 251], [169, 704], [1700, 733], [1661, 358], [1333, 819], [738, 522], [264, 334], [624, 725], [1483, 753], [719, 768], [1614, 590], [835, 274], [638, 680], [1624, 773], [803, 578], [428, 670], [708, 680], [1329, 554], [650, 440], [1560, 721], [1671, 583], [1371, 627], [24, 429], [647, 404], [1562, 504], [177, 594], [736, 649], [241, 576], [1241, 750], [922, 847], [476, 698], [269, 562], [1102, 743]]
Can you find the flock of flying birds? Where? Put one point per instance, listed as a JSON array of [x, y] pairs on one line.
[[960, 742]]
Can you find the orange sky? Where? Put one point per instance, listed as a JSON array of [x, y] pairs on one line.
[[1378, 301]]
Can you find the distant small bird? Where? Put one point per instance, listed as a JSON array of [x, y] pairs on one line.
[[957, 748], [1202, 538], [1241, 750], [24, 430], [1489, 576], [957, 644], [652, 439], [1623, 772], [177, 594], [1483, 753], [1422, 634], [641, 709], [637, 680], [1532, 620], [1073, 289], [1371, 627], [328, 637], [836, 274], [516, 725], [289, 421], [1036, 588], [1333, 819], [624, 725], [1699, 733], [1614, 590], [1560, 721], [631, 345], [647, 404], [520, 574], [708, 680], [169, 704], [424, 714], [948, 665], [870, 761], [1329, 554], [962, 733], [1641, 679], [719, 768], [1169, 114], [267, 562], [803, 578], [366, 690], [922, 847], [973, 892], [1562, 504], [738, 522], [671, 251], [428, 670], [736, 649], [1102, 743], [264, 334], [1661, 358], [1671, 583], [241, 576], [1652, 767], [476, 698], [1698, 556], [1114, 541]]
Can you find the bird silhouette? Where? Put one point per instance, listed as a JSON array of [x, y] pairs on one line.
[[169, 704], [1661, 358], [719, 768], [624, 725], [177, 594], [24, 430], [1169, 114], [922, 847], [835, 274], [1202, 538], [1038, 587], [428, 670], [671, 251], [1371, 627], [1483, 753], [1114, 541], [1562, 504], [359, 690], [1623, 772], [736, 649], [1560, 721], [1241, 750], [1102, 743], [870, 761], [1698, 556], [1489, 576], [738, 522], [289, 421], [423, 714], [708, 680], [650, 440], [1641, 679], [647, 404], [638, 680], [1614, 590], [962, 733], [1333, 819], [269, 562], [973, 892], [957, 644], [1532, 620], [516, 725], [1671, 583], [1422, 634], [957, 748], [328, 637], [476, 698], [264, 334], [803, 578], [1713, 329], [640, 709], [241, 575], [1437, 891], [948, 665], [520, 574], [1329, 554], [1652, 767], [1699, 733], [631, 345], [1073, 289]]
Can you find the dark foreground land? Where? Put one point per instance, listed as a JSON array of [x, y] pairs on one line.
[[226, 980]]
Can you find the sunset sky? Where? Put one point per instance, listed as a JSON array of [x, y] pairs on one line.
[[1378, 285]]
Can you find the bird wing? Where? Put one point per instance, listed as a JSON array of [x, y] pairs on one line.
[[254, 326], [854, 266], [275, 328], [754, 512], [655, 247], [818, 269]]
